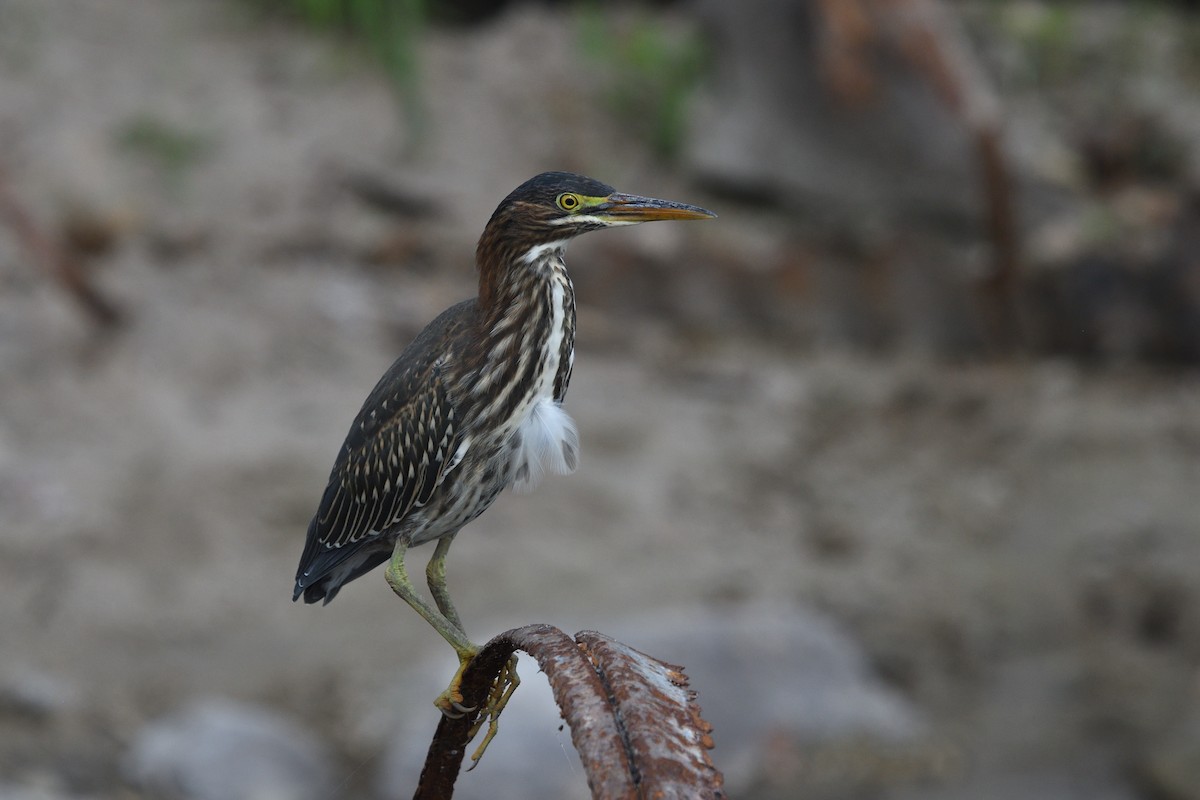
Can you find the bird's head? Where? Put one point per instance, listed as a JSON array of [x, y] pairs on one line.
[[556, 206]]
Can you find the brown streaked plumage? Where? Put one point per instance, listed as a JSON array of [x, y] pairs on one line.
[[473, 405]]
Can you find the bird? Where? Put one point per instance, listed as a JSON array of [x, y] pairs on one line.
[[472, 406]]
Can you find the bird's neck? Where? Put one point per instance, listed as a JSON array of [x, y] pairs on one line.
[[513, 281], [527, 328]]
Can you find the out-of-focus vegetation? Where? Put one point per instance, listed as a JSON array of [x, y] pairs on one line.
[[653, 68], [1054, 44], [389, 28], [169, 150], [649, 66]]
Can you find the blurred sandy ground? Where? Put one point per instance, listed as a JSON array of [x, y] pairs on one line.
[[1010, 544]]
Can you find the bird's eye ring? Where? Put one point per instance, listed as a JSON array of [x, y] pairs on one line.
[[567, 201]]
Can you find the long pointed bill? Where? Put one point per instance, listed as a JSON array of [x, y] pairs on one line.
[[630, 208]]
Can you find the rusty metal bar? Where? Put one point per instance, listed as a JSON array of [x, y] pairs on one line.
[[578, 692], [632, 718], [661, 723]]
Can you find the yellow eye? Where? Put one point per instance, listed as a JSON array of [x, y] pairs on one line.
[[568, 202]]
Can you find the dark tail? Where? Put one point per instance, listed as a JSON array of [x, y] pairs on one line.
[[322, 574]]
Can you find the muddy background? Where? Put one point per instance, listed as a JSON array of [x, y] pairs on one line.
[[900, 456]]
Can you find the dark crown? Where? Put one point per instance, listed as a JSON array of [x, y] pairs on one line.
[[542, 189]]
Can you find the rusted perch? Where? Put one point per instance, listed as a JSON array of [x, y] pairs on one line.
[[633, 720]]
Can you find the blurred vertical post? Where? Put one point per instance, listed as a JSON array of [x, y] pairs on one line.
[[929, 37]]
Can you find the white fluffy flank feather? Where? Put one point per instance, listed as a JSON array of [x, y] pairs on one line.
[[549, 443]]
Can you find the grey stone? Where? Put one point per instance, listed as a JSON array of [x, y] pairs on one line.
[[35, 695], [1171, 766], [219, 750], [1088, 783], [13, 791]]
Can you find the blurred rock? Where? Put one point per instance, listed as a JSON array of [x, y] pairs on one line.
[[1130, 294], [1133, 148], [1098, 784], [1171, 767], [761, 672], [35, 695], [170, 240], [12, 791], [219, 750]]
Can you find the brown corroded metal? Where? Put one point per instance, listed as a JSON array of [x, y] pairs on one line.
[[668, 740], [633, 719], [580, 696]]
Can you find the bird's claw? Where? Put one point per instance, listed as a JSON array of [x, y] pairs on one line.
[[450, 704], [456, 710], [506, 683]]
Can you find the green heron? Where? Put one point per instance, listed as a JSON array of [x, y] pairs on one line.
[[473, 405]]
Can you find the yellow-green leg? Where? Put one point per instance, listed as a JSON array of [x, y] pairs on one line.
[[508, 680], [446, 621], [449, 701], [435, 576]]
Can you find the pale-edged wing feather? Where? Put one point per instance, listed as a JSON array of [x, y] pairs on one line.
[[399, 448]]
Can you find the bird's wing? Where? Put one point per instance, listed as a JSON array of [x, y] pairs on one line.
[[399, 448], [407, 437], [403, 442]]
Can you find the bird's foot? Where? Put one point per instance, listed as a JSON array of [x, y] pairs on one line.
[[450, 702], [506, 683]]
